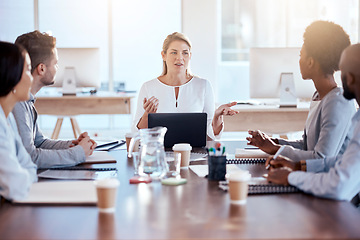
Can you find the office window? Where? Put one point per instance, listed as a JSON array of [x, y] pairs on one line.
[[137, 30], [278, 23]]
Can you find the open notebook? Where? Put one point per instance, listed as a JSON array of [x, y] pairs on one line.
[[61, 192]]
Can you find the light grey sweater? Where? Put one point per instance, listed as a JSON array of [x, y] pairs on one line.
[[44, 152]]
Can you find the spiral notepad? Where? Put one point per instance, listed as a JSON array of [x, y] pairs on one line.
[[250, 153], [271, 188], [74, 168], [261, 186], [246, 161]]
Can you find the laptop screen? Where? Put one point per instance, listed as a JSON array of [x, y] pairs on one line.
[[182, 127]]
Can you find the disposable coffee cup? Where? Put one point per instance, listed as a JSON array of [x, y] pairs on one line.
[[184, 149], [128, 137], [238, 186], [106, 194]]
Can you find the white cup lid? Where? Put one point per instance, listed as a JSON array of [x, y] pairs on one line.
[[182, 147], [238, 176], [107, 183], [129, 135]]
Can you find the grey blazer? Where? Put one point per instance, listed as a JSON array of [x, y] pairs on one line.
[[328, 129]]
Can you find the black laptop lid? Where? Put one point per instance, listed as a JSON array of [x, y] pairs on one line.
[[182, 127]]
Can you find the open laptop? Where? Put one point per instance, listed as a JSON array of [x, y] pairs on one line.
[[182, 127]]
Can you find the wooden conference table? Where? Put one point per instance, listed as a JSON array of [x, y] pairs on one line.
[[99, 103], [196, 210]]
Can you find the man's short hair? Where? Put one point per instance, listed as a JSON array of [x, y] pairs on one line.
[[39, 46]]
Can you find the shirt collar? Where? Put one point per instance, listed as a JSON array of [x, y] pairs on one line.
[[356, 117], [2, 112], [32, 98]]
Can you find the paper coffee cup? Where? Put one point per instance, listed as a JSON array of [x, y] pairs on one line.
[[238, 186], [106, 194], [128, 137], [184, 149]]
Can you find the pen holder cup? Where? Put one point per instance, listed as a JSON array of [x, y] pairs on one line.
[[217, 168]]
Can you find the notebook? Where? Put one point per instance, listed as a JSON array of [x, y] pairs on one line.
[[250, 153], [77, 175], [99, 157], [259, 185], [246, 161], [247, 156], [181, 127]]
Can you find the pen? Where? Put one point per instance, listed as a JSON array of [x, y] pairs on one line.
[[279, 151], [218, 149], [117, 145], [218, 152], [251, 148], [212, 151], [276, 155], [106, 144]]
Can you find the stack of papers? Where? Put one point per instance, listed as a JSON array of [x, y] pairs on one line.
[[250, 153], [61, 192], [100, 157], [77, 174]]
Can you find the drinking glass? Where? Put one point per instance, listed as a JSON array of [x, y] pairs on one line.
[[173, 160], [136, 161]]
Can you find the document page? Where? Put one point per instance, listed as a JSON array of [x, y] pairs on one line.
[[61, 192], [100, 157]]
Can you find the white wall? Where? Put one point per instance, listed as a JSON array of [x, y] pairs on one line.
[[75, 26], [138, 35], [16, 17], [199, 23]]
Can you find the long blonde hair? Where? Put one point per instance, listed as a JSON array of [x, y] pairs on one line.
[[176, 36]]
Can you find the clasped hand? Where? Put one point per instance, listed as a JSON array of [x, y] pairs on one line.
[[85, 142]]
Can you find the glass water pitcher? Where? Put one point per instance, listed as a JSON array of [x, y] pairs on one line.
[[151, 153]]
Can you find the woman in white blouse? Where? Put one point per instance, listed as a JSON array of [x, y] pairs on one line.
[[177, 90]]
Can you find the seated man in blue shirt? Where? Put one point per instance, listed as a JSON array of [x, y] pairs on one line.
[[333, 177], [45, 152]]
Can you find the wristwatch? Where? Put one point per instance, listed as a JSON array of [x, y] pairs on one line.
[[303, 165]]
